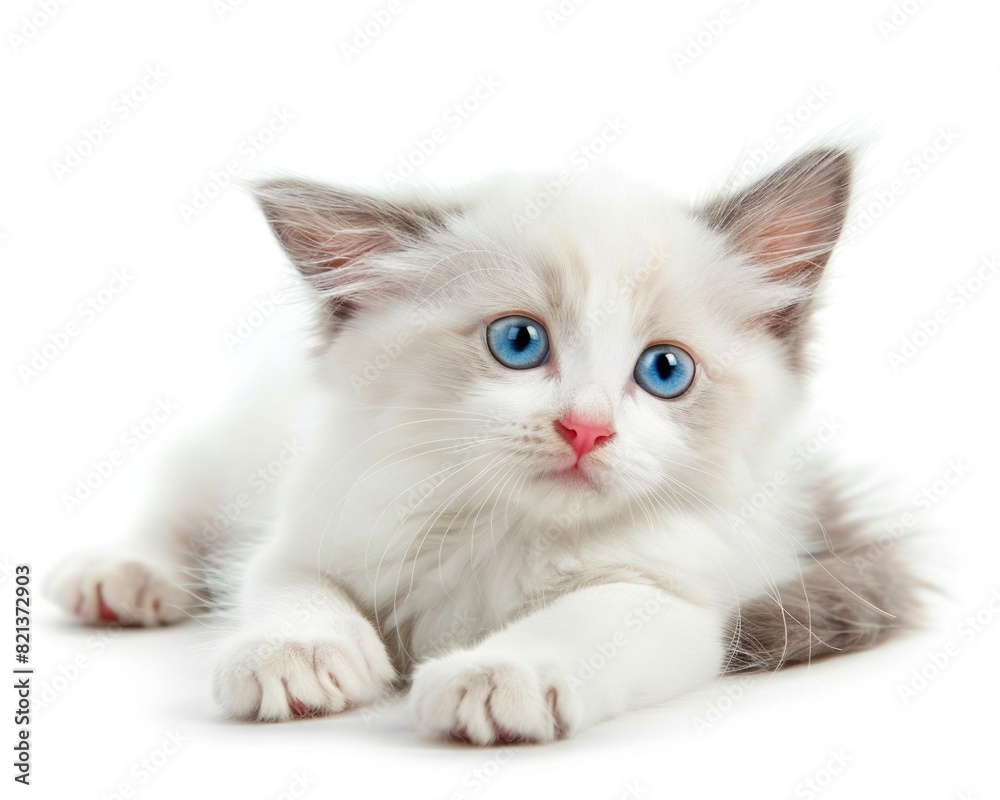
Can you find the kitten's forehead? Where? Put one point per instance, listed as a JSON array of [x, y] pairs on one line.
[[607, 268]]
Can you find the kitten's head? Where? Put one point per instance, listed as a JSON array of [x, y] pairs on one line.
[[589, 340]]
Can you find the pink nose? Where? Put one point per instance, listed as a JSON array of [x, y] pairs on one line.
[[583, 436]]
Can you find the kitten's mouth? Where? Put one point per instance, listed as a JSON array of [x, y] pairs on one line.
[[574, 475]]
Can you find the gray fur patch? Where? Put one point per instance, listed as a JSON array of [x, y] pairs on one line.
[[852, 596]]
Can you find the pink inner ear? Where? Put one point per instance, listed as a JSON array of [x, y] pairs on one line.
[[355, 247], [321, 250], [323, 228], [789, 221], [794, 240], [790, 250]]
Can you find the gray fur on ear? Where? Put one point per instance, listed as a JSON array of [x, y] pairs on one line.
[[788, 223], [324, 227], [332, 235]]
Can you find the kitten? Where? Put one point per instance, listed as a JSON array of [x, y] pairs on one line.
[[546, 470]]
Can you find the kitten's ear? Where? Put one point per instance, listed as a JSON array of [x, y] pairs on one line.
[[323, 228], [787, 223]]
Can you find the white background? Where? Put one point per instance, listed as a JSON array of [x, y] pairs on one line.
[[924, 78]]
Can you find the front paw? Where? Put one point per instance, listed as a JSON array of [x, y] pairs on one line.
[[490, 700], [309, 676], [130, 590]]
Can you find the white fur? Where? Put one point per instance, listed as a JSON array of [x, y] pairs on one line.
[[422, 517]]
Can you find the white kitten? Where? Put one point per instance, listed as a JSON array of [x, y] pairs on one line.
[[531, 450]]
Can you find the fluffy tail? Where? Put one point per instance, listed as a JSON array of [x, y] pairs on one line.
[[854, 594]]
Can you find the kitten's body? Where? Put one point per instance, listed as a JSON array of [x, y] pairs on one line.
[[438, 518]]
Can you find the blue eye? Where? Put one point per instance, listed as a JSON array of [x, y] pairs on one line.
[[518, 342], [664, 371]]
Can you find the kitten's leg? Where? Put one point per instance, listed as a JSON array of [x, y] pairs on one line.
[[590, 655], [157, 576], [301, 648]]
